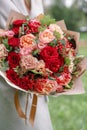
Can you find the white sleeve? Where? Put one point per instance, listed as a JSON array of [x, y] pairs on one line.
[[36, 8], [6, 6], [18, 5]]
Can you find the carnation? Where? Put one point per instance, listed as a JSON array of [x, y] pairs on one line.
[[12, 76], [28, 62], [26, 84], [34, 25], [45, 86]]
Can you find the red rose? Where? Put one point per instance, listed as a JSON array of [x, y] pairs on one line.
[[34, 25], [14, 42], [15, 30], [26, 83], [12, 76], [18, 22], [54, 63], [13, 59], [49, 53], [16, 25]]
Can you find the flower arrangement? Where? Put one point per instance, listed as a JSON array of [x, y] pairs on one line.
[[37, 56]]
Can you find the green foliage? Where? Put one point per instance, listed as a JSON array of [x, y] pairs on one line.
[[5, 42], [47, 20], [67, 61], [57, 35], [4, 65], [72, 16]]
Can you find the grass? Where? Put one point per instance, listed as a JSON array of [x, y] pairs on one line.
[[83, 36], [70, 112]]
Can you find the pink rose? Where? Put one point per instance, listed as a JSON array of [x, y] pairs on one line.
[[8, 33], [46, 36], [41, 45], [55, 27], [27, 50]]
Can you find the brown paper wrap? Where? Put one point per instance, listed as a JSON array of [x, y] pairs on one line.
[[77, 87], [13, 16]]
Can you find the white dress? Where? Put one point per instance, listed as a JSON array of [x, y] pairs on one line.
[[9, 119]]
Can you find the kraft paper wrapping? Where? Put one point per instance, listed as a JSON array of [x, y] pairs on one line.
[[78, 85]]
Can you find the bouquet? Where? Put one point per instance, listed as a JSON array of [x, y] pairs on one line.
[[38, 56]]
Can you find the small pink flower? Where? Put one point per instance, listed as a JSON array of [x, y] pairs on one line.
[[27, 40], [55, 27], [28, 62], [41, 45], [8, 33], [46, 36]]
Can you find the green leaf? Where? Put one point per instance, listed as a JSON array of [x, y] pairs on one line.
[[41, 29], [67, 61], [5, 42], [35, 72], [47, 20], [67, 86], [57, 35], [53, 43], [51, 78], [4, 65], [35, 52], [63, 42]]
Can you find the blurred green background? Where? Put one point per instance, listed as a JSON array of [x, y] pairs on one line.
[[70, 112]]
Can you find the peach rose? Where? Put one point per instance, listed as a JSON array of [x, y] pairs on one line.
[[28, 62], [55, 27], [46, 36], [27, 40]]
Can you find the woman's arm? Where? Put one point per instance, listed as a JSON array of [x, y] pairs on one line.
[[7, 5]]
